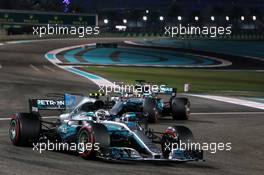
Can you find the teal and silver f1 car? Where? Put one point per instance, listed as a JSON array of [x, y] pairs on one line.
[[127, 138], [155, 104]]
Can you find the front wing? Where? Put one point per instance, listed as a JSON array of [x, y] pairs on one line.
[[129, 154]]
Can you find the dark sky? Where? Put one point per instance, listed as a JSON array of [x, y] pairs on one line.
[[166, 3]]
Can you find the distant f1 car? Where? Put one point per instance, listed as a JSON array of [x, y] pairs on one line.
[[124, 139], [163, 103]]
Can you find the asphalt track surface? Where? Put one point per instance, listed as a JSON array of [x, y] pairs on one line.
[[25, 73]]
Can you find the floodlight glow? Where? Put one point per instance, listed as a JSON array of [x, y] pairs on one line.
[[145, 18], [196, 18], [242, 18], [179, 18], [106, 21], [227, 18], [212, 18], [121, 28], [161, 18], [147, 11], [124, 21], [66, 4], [254, 18]]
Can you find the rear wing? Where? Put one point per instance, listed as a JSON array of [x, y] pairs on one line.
[[168, 91], [35, 105], [59, 102], [163, 88]]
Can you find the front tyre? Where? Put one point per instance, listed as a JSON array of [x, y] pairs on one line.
[[92, 140], [86, 138], [175, 136]]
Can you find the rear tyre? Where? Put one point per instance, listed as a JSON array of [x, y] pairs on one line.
[[149, 108], [24, 129], [180, 108]]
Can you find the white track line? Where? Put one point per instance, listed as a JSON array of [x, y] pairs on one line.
[[227, 113], [34, 67], [3, 119], [195, 113], [51, 56], [48, 117], [236, 101], [255, 58], [49, 68]]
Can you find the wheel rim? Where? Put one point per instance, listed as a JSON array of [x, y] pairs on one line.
[[156, 115], [12, 130], [83, 140], [188, 111]]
